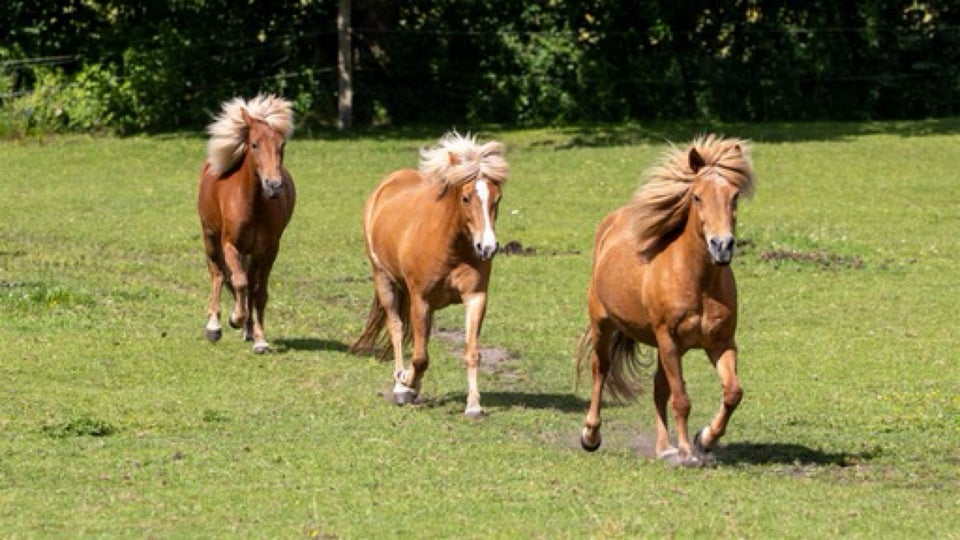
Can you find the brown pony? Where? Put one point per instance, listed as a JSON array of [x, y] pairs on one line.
[[661, 276], [429, 234], [246, 199]]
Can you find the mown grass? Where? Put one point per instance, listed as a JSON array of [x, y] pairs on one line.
[[118, 419]]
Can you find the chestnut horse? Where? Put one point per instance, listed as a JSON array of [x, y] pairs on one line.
[[246, 198], [661, 276], [429, 235]]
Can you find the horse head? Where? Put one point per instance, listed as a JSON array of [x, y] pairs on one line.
[[714, 207], [479, 201], [265, 145]]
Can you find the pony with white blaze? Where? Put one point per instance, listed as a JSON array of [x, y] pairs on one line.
[[430, 237]]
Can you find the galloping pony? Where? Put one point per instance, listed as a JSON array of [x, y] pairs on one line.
[[661, 277], [246, 198], [429, 235]]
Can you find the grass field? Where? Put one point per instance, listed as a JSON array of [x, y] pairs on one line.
[[117, 419]]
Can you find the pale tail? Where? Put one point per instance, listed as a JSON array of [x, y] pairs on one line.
[[375, 339], [623, 380]]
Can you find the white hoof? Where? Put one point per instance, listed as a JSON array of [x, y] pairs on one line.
[[474, 413], [261, 347]]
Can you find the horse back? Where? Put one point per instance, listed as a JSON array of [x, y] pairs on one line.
[[394, 212]]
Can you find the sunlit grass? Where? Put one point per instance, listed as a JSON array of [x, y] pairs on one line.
[[119, 419]]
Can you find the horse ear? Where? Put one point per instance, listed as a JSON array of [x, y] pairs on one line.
[[453, 158], [696, 160], [247, 119]]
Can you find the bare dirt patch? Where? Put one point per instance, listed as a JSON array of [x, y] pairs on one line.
[[821, 258]]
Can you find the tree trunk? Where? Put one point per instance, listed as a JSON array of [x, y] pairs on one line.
[[345, 66]]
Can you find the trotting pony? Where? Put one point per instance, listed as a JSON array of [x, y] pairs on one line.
[[430, 238], [246, 198], [662, 277]]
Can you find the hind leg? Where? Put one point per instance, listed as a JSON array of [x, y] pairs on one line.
[[213, 330], [390, 297], [600, 337]]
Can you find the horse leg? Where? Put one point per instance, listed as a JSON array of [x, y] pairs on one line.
[[388, 295], [475, 307], [661, 394], [213, 330], [600, 337], [670, 365], [725, 361], [259, 295], [239, 283], [420, 325]]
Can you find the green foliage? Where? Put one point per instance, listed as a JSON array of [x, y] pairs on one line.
[[92, 100], [165, 65]]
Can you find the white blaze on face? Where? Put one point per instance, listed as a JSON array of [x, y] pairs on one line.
[[489, 239]]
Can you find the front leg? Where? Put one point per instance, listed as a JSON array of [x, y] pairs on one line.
[[239, 282], [420, 318], [671, 371], [725, 360], [475, 307]]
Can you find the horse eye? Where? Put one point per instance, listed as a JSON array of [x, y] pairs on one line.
[[696, 199], [466, 198], [254, 146]]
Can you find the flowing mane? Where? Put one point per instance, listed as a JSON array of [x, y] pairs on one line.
[[458, 159], [660, 205], [228, 132]]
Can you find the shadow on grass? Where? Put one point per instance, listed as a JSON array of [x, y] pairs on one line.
[[508, 400], [751, 453], [309, 344]]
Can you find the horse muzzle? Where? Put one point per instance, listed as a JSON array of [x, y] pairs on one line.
[[721, 249], [272, 188], [486, 251]]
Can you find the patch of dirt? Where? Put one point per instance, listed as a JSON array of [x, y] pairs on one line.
[[820, 258], [493, 360], [514, 247]]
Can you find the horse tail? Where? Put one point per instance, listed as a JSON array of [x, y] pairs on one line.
[[375, 339], [623, 380]]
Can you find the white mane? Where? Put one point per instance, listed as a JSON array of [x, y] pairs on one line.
[[457, 159], [228, 132]]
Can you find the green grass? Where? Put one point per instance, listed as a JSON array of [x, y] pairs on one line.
[[118, 419]]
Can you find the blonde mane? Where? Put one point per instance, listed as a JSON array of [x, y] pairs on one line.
[[458, 159], [661, 204], [228, 132]]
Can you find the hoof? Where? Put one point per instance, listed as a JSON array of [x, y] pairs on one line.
[[406, 397], [213, 336], [698, 442], [261, 347], [587, 445], [670, 456], [474, 413], [233, 323]]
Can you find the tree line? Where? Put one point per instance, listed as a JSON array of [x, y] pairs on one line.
[[160, 65]]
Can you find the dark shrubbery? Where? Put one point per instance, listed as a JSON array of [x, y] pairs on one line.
[[160, 65]]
